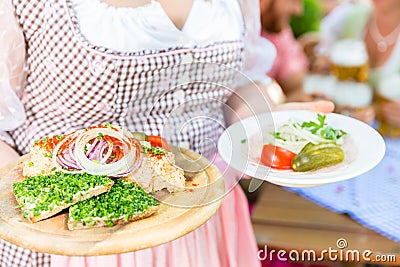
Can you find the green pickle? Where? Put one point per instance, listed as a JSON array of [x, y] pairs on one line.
[[139, 136], [316, 156]]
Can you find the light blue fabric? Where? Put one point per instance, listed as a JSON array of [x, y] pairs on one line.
[[372, 199]]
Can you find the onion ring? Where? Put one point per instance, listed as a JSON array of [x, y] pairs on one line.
[[72, 154]]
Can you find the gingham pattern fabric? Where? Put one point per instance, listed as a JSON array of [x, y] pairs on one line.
[[13, 256], [72, 84]]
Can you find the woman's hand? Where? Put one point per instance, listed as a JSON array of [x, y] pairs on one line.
[[390, 112], [249, 100], [323, 106]]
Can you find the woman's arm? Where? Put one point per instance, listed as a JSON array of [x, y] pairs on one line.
[[254, 98], [293, 85], [263, 95], [12, 59]]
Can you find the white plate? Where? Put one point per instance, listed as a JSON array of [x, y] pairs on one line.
[[234, 146]]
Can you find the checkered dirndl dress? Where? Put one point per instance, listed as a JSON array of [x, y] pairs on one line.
[[72, 84]]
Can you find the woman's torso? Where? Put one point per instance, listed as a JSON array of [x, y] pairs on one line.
[[172, 83]]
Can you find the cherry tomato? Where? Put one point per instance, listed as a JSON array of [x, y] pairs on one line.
[[158, 141], [277, 157]]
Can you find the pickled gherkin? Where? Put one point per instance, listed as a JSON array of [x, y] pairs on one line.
[[139, 136], [315, 156]]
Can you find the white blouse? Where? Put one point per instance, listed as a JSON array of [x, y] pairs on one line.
[[207, 22], [139, 28]]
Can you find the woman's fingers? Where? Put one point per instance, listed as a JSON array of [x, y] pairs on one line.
[[323, 106]]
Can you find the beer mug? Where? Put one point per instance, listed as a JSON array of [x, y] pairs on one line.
[[352, 96], [349, 59], [388, 89]]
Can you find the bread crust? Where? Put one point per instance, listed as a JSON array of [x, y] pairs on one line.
[[101, 222], [47, 214]]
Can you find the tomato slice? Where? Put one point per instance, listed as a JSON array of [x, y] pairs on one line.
[[277, 157], [158, 141]]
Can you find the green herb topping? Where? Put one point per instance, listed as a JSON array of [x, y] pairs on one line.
[[154, 150], [322, 129], [124, 201], [47, 155], [107, 124], [42, 193]]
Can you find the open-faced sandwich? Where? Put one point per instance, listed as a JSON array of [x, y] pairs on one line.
[[125, 202], [103, 174], [43, 196]]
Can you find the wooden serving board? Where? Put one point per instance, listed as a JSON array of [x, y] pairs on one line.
[[179, 214]]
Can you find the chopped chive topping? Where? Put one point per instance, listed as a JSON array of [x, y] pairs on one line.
[[154, 150], [124, 200], [59, 137], [41, 193], [30, 164], [112, 157], [44, 139], [108, 124], [100, 136], [243, 141], [48, 155], [36, 141]]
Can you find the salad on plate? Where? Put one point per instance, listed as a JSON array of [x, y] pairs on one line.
[[303, 146]]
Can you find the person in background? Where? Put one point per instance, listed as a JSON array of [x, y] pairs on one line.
[[77, 63], [291, 64], [378, 26]]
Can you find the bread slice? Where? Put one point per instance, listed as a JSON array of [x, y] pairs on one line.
[[125, 202], [158, 171], [43, 196], [41, 153], [101, 222]]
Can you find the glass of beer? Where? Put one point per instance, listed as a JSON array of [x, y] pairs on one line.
[[349, 65], [349, 59], [352, 97], [388, 89]]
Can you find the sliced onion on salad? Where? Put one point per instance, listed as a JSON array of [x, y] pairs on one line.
[[99, 150]]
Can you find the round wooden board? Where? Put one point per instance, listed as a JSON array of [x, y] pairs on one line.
[[179, 214]]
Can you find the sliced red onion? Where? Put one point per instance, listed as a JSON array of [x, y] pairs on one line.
[[91, 146], [59, 157], [96, 160]]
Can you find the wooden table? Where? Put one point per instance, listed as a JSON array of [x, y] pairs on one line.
[[285, 221]]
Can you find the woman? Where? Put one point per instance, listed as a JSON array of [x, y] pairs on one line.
[[92, 61], [291, 64], [379, 27]]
